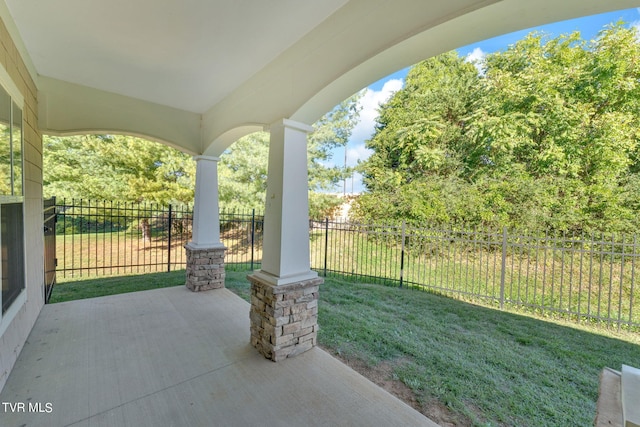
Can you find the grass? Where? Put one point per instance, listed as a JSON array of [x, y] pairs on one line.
[[81, 288], [490, 368], [586, 285], [484, 367], [70, 289], [118, 253]]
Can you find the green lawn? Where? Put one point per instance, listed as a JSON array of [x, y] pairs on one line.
[[475, 365], [489, 367], [80, 288]]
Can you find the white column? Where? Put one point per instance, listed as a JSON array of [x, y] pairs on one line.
[[206, 218], [285, 256]]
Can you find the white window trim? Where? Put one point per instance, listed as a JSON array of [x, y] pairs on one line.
[[7, 83], [16, 96]]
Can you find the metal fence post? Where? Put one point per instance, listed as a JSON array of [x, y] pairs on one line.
[[253, 234], [402, 253], [326, 244], [633, 274], [504, 266], [169, 240]]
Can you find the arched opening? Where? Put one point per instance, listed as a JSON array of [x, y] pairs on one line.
[[123, 204]]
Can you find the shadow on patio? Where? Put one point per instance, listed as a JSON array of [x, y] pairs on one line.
[[170, 357]]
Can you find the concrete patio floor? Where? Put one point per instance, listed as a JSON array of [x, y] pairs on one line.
[[170, 357]]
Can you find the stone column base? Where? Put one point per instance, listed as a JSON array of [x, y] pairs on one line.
[[284, 318], [205, 268]]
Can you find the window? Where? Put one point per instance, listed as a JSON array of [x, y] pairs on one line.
[[11, 201], [12, 241]]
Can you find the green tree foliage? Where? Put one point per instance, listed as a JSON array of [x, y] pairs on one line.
[[108, 167], [331, 131], [545, 137], [5, 158], [242, 173]]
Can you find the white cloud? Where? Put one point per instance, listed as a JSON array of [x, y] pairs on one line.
[[370, 103], [358, 152], [635, 25], [476, 57]]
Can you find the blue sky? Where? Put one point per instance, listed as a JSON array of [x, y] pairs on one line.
[[379, 91]]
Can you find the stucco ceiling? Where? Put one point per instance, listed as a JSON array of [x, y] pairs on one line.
[[198, 74], [188, 54]]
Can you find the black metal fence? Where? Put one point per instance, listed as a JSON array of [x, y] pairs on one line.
[[241, 233], [105, 237], [584, 278], [96, 238]]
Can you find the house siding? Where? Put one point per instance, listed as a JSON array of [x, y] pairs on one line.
[[16, 332]]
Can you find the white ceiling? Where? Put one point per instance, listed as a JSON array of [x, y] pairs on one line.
[[188, 54]]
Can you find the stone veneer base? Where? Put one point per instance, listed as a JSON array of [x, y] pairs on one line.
[[284, 318], [205, 268]]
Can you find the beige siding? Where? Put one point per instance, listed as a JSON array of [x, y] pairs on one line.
[[18, 329]]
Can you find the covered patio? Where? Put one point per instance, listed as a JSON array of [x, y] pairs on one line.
[[198, 75], [171, 357]]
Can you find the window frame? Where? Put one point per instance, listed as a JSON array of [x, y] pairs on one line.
[[16, 101]]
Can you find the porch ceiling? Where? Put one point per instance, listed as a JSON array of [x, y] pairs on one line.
[[186, 54], [190, 72]]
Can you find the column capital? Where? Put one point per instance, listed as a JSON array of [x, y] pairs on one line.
[[207, 158], [292, 124]]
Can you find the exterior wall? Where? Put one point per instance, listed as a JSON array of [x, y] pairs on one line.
[[17, 323]]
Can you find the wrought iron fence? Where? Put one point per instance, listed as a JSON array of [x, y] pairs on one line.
[[105, 237], [96, 238], [584, 278]]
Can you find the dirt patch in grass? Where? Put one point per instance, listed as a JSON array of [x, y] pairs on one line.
[[442, 415], [382, 374]]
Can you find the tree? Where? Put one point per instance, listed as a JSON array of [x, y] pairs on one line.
[[421, 145], [421, 131], [546, 137], [122, 168], [568, 109], [242, 173], [330, 131]]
